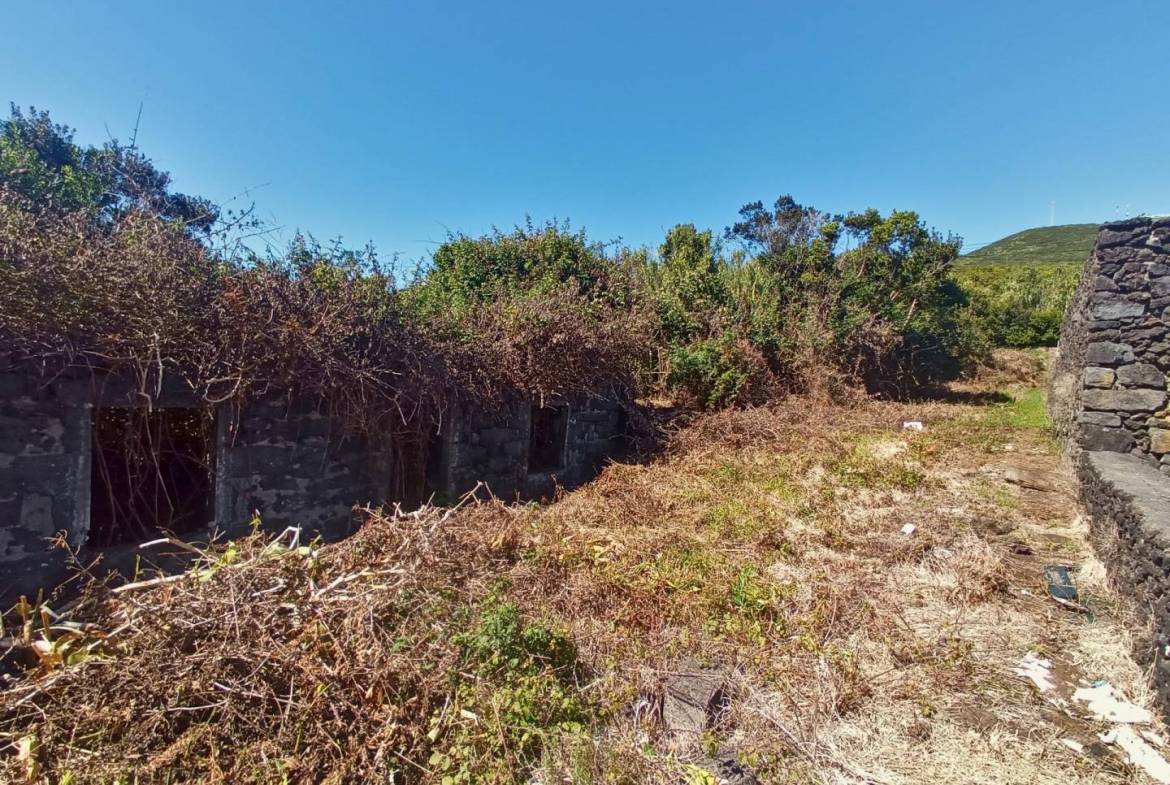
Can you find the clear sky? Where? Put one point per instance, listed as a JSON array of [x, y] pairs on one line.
[[395, 122]]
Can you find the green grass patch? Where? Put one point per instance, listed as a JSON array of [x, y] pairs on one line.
[[992, 428], [517, 690], [860, 468], [1025, 410]]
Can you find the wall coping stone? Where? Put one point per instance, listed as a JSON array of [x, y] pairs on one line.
[[1139, 483]]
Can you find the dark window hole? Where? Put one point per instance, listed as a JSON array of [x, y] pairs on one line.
[[546, 445], [151, 473]]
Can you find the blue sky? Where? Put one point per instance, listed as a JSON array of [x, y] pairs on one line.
[[396, 122]]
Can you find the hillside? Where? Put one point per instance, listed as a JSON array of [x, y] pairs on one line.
[[1070, 243]]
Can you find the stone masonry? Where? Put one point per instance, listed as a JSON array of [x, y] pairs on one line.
[[492, 447], [1129, 504], [295, 466], [1108, 399], [1109, 387], [285, 459]]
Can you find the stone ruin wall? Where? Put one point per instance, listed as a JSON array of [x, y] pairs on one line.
[[1109, 387], [493, 447], [294, 465], [1108, 400], [287, 460], [44, 450]]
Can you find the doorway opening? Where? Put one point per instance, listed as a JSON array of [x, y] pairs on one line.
[[546, 443], [151, 473]]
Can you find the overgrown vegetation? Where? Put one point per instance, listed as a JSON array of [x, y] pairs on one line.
[[505, 644], [1018, 305], [510, 644], [104, 267], [790, 310]]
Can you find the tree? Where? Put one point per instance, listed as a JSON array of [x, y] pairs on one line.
[[40, 162], [689, 288]]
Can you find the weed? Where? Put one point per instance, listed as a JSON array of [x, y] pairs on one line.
[[522, 692]]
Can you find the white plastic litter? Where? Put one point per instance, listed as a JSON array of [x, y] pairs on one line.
[[1037, 670], [1106, 703], [1139, 751], [908, 528], [913, 425]]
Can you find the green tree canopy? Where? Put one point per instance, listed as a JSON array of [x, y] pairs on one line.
[[40, 161]]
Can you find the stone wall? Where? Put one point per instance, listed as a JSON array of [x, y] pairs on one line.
[[292, 463], [1109, 387], [493, 448], [1129, 504], [289, 461], [1108, 398], [44, 466], [595, 433], [489, 447]]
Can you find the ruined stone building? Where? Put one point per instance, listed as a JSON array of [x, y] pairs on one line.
[[71, 464]]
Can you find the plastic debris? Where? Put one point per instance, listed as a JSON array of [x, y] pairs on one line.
[[913, 425], [1060, 583], [1099, 702], [1106, 703], [1062, 589], [908, 528], [1037, 670], [1139, 751]]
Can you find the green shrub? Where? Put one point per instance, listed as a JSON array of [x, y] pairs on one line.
[[1018, 305], [810, 301], [717, 372], [466, 272]]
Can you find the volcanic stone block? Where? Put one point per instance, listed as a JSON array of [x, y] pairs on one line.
[[1124, 400], [1141, 375], [693, 698], [1107, 419], [1095, 437], [1112, 234], [1099, 377], [1113, 306], [1109, 353], [1103, 283]]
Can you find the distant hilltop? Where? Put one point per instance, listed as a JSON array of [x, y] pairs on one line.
[[1066, 244]]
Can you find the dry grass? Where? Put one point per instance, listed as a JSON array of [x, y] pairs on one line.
[[498, 644]]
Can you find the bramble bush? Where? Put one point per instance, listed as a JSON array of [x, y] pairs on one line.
[[787, 299]]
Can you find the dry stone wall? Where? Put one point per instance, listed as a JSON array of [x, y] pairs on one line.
[[1109, 398], [1109, 389], [1129, 504]]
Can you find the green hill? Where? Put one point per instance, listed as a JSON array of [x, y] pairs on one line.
[[1070, 243]]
